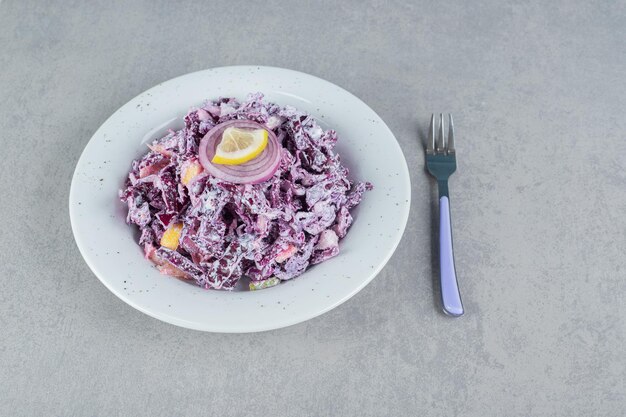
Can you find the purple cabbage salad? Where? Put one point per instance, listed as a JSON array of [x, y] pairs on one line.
[[222, 231]]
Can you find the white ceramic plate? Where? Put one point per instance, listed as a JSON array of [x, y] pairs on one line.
[[110, 247]]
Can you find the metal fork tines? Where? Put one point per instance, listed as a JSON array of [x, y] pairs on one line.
[[439, 145], [441, 163]]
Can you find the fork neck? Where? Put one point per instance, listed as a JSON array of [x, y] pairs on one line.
[[443, 188]]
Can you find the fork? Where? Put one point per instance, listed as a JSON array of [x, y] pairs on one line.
[[441, 163]]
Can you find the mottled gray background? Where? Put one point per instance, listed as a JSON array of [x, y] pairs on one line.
[[538, 205]]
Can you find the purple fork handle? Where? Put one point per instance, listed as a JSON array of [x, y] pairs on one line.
[[450, 295]]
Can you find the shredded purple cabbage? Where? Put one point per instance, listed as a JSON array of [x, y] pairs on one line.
[[275, 229]]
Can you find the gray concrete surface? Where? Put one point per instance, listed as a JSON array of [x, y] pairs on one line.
[[538, 205]]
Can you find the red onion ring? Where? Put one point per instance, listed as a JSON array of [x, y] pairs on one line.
[[255, 171]]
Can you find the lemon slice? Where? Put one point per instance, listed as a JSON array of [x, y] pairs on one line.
[[239, 146]]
